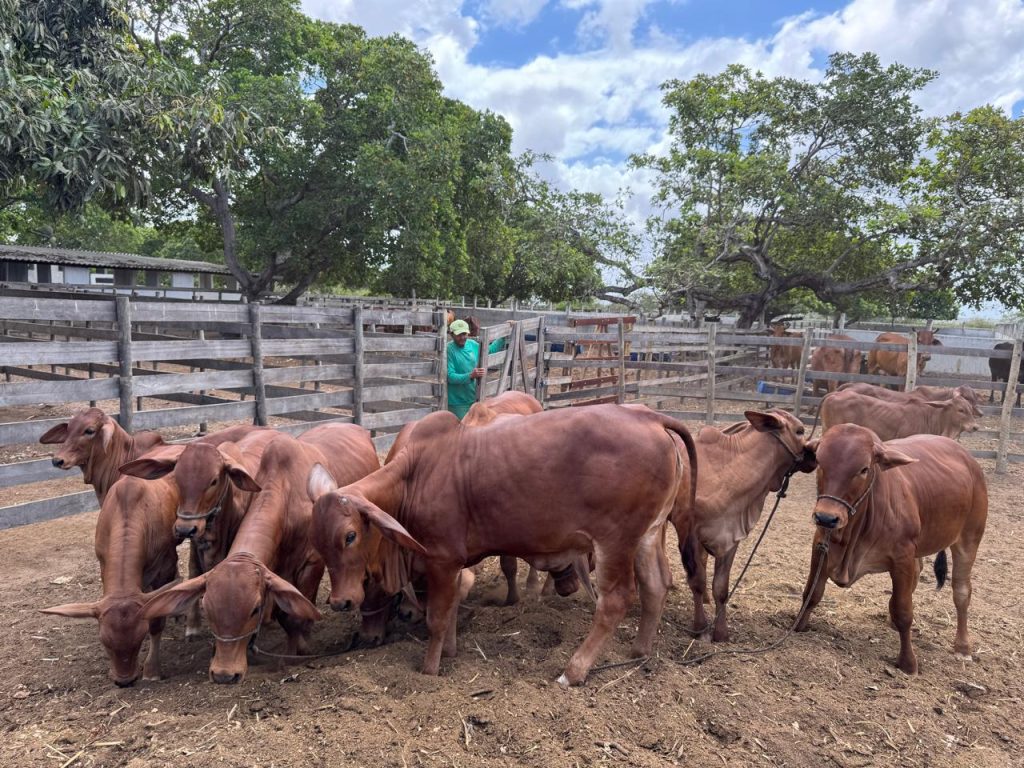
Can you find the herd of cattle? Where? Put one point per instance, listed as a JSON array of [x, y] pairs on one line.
[[584, 494]]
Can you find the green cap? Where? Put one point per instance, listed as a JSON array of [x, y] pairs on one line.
[[459, 326]]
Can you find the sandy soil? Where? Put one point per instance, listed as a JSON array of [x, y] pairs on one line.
[[827, 697]]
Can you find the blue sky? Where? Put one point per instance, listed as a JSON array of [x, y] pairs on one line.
[[579, 79]]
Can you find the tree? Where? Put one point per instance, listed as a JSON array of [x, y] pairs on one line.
[[777, 184], [74, 102]]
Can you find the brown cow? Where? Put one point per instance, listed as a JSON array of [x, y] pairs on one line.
[[891, 420], [738, 467], [136, 548], [272, 559], [783, 356], [922, 392], [893, 363], [95, 442], [834, 360], [613, 474], [881, 506]]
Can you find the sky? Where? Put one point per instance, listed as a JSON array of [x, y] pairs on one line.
[[580, 79]]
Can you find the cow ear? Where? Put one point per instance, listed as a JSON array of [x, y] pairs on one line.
[[887, 457], [763, 421], [239, 475], [289, 599], [55, 435], [158, 462], [107, 433], [74, 610], [389, 527], [320, 482], [937, 403], [174, 599]]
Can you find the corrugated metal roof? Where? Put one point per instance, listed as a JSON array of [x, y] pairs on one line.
[[104, 259]]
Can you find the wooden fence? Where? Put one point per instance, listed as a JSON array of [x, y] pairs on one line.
[[172, 365]]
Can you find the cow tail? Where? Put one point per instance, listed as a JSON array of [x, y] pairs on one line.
[[817, 413], [691, 451], [941, 569]]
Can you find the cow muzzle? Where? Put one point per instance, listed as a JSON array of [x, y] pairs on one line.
[[826, 519], [341, 606], [185, 530], [226, 678], [57, 462]]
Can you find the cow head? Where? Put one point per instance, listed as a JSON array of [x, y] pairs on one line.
[[235, 595], [778, 329], [927, 338], [122, 630], [204, 475], [968, 394], [957, 415], [79, 437], [346, 532], [849, 460], [788, 430]]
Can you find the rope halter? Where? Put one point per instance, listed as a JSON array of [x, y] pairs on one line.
[[851, 509], [212, 512]]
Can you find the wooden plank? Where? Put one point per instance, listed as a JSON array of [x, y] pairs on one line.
[[310, 401], [359, 373], [35, 471], [71, 390], [394, 418], [175, 417], [1008, 398], [281, 313], [306, 373], [442, 361], [911, 362], [481, 384], [48, 509], [124, 351], [150, 386], [538, 379], [384, 442], [376, 370], [805, 356], [400, 344], [201, 352], [26, 432], [399, 317], [712, 342], [307, 347], [59, 353], [403, 391], [170, 312], [257, 352], [56, 309]]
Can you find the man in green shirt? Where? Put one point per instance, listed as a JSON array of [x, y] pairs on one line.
[[463, 358]]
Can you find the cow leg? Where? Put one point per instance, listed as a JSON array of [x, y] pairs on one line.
[[698, 583], [193, 619], [963, 562], [723, 566], [442, 587], [374, 614], [533, 586], [509, 567], [901, 609], [549, 586], [151, 667], [614, 586], [651, 567], [814, 589]]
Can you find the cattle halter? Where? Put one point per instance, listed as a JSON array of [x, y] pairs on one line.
[[852, 508], [212, 511]]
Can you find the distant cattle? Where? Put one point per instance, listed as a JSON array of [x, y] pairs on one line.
[[891, 420], [834, 360], [455, 496], [881, 507], [999, 367], [783, 356], [739, 466], [894, 363], [918, 393]]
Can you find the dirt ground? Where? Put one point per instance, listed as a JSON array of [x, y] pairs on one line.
[[828, 697]]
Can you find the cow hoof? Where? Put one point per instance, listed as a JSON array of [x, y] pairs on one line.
[[964, 656], [563, 681]]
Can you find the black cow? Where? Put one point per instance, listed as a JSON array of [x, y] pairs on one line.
[[999, 367]]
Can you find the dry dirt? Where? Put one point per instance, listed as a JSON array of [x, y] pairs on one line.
[[830, 697]]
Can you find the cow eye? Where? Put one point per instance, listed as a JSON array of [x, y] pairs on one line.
[[864, 471], [213, 482], [350, 537], [255, 611], [90, 431], [800, 431]]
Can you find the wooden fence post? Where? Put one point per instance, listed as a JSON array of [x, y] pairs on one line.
[[801, 374], [712, 342], [912, 353], [203, 426], [441, 318], [256, 340], [541, 371], [359, 374], [124, 354], [621, 395], [482, 363], [1009, 396]]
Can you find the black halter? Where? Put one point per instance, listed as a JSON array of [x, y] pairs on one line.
[[852, 508], [213, 511]]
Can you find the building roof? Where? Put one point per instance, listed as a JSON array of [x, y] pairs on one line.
[[106, 260]]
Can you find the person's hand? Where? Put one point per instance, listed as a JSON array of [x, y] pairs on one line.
[[476, 373]]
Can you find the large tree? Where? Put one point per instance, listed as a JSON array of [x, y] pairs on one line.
[[773, 185]]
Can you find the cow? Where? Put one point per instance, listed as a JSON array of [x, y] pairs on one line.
[[894, 363], [883, 505], [136, 548], [922, 392], [783, 356], [95, 442], [834, 360], [455, 496], [999, 367], [891, 420], [738, 467], [271, 560]]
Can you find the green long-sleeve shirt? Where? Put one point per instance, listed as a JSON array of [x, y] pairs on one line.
[[461, 362]]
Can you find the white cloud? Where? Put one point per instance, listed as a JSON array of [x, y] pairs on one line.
[[513, 13]]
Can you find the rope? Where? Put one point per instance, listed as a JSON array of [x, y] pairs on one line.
[[212, 511]]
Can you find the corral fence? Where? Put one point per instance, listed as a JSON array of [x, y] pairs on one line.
[[178, 367]]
